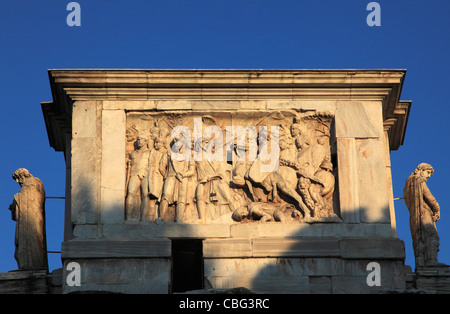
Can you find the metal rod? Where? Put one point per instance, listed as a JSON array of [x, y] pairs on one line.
[[399, 198], [53, 251]]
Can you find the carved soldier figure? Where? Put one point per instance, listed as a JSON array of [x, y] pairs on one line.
[[138, 181], [211, 187], [131, 136], [315, 169], [424, 212], [155, 178], [321, 192], [176, 183], [298, 135], [28, 211]]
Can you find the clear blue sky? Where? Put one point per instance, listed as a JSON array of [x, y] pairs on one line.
[[281, 34]]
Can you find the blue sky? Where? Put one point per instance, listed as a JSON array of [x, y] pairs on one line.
[[263, 34]]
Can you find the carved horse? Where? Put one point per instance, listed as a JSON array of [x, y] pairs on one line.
[[284, 179]]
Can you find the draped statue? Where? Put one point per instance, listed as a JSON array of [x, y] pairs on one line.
[[27, 209], [424, 213]]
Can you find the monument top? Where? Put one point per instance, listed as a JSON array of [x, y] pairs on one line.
[[69, 85], [239, 163]]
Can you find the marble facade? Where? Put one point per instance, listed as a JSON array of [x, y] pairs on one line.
[[356, 116]]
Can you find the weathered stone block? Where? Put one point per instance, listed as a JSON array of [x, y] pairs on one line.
[[348, 182], [295, 247], [320, 285], [129, 276], [75, 249], [261, 275], [372, 181], [84, 175], [24, 282], [84, 119], [357, 119], [365, 248], [227, 248]]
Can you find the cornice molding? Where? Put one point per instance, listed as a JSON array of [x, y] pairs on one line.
[[70, 85]]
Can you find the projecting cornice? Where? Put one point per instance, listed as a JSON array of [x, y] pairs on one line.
[[225, 84], [134, 84]]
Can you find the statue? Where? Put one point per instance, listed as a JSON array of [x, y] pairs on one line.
[[137, 181], [27, 209], [424, 212]]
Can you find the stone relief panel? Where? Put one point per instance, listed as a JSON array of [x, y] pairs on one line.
[[229, 167]]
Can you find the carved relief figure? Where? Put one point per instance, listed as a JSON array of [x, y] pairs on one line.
[[211, 187], [265, 212], [299, 136], [177, 180], [137, 190], [284, 180], [321, 192], [155, 178], [241, 166], [316, 182], [424, 212], [27, 209], [131, 136]]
